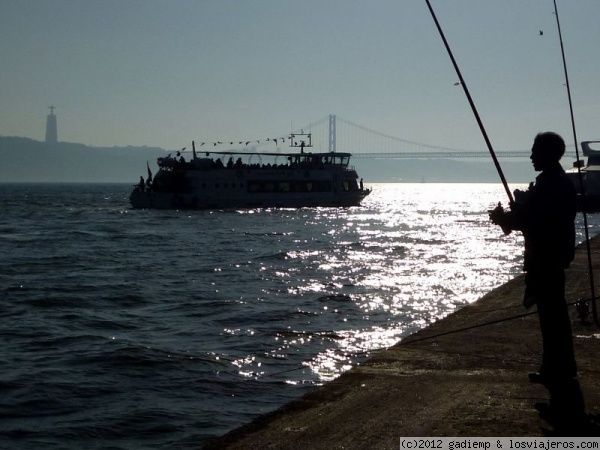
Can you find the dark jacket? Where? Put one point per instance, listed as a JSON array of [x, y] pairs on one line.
[[546, 216]]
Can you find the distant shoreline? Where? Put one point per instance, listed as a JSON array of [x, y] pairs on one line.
[[29, 161]]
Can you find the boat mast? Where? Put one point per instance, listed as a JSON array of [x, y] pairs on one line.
[[305, 140]]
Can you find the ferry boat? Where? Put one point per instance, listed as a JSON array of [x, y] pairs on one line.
[[303, 179]]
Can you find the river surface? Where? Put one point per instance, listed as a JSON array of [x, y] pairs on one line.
[[130, 328]]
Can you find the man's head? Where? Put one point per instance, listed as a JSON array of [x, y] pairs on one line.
[[547, 149]]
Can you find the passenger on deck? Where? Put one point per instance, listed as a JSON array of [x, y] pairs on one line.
[[142, 184]]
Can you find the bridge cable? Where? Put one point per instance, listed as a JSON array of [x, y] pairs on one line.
[[397, 139], [580, 175], [473, 108]]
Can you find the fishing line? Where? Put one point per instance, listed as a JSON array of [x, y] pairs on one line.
[[407, 340], [479, 325], [580, 175], [473, 108]]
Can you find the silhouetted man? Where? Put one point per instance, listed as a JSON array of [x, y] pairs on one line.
[[545, 214]]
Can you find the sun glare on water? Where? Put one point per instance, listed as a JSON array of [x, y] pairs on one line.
[[424, 252], [411, 255]]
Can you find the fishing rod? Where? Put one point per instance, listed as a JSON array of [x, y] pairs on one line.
[[473, 108], [580, 175], [493, 154]]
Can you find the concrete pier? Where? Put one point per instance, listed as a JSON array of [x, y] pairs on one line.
[[465, 375]]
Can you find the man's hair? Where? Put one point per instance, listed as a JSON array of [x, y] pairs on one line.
[[552, 144]]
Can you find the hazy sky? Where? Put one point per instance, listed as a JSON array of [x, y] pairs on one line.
[[164, 72]]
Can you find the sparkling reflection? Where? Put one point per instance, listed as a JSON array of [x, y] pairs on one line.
[[411, 255]]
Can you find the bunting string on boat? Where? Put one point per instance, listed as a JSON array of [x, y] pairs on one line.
[[245, 143], [580, 175]]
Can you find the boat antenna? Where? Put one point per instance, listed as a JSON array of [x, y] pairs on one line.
[[580, 175], [473, 108]]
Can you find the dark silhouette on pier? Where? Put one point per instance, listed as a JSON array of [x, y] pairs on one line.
[[545, 214]]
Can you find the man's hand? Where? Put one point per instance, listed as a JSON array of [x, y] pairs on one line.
[[497, 214], [498, 217], [521, 196]]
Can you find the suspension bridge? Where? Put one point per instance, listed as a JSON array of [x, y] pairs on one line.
[[333, 133]]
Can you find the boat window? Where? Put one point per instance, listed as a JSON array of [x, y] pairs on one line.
[[288, 186]]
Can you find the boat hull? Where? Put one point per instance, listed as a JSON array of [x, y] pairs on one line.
[[170, 200]]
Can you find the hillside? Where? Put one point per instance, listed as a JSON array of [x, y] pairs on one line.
[[27, 160]]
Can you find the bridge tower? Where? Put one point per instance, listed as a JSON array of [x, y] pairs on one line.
[[332, 132], [51, 129]]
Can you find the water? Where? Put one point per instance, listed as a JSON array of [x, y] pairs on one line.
[[160, 329]]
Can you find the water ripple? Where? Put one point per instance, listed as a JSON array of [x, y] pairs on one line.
[[159, 329]]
